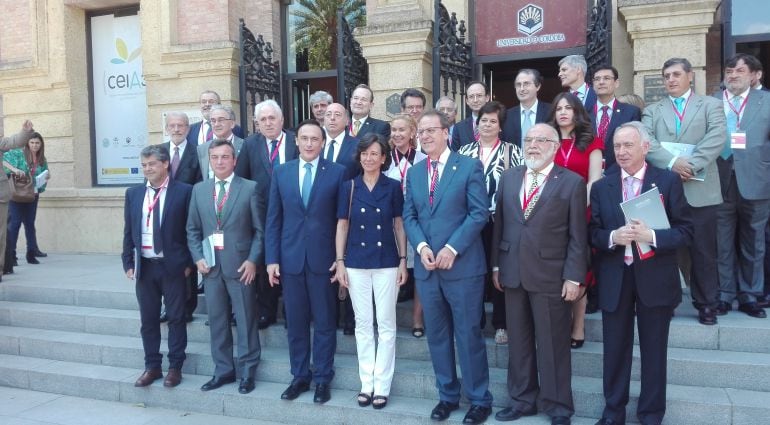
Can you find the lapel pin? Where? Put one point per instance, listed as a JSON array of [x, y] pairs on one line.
[[617, 110], [454, 168]]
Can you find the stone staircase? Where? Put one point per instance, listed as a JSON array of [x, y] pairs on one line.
[[71, 327]]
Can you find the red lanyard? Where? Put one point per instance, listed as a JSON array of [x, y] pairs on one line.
[[402, 170], [569, 153], [220, 206], [676, 111], [481, 151], [277, 149], [739, 111], [528, 199], [151, 204]]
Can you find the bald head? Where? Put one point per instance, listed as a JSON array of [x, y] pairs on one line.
[[335, 119]]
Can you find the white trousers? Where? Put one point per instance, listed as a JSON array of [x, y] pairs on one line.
[[375, 364]]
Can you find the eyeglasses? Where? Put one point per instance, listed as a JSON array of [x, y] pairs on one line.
[[446, 110], [430, 130], [538, 140], [414, 108], [220, 120]]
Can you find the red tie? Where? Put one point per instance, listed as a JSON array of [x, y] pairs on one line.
[[433, 181], [210, 132], [604, 123], [576, 93]]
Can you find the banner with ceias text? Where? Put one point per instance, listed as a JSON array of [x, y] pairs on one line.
[[119, 98]]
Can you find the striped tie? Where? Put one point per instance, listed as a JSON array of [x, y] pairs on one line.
[[433, 181]]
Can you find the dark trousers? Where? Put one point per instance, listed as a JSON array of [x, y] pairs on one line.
[[192, 293], [154, 283], [267, 296], [497, 298], [309, 297], [22, 213], [618, 329], [704, 286]]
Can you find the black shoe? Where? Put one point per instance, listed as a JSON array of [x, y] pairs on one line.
[[605, 421], [322, 393], [31, 259], [442, 410], [576, 343], [265, 321], [707, 316], [217, 382], [477, 414], [560, 420], [349, 329], [294, 390], [163, 316], [512, 413], [753, 310], [722, 308], [39, 253], [246, 386], [763, 302]]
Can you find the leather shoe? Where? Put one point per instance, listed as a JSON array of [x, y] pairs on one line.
[[246, 386], [753, 310], [294, 390], [322, 393], [349, 329], [722, 308], [217, 382], [707, 316], [763, 302], [477, 414], [173, 378], [442, 410], [512, 413], [605, 421], [39, 253], [148, 377], [265, 322], [560, 420]]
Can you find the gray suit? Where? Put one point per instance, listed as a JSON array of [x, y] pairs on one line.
[[15, 141], [703, 126], [203, 154], [243, 240], [745, 184]]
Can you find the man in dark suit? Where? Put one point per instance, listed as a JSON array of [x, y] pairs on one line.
[[447, 106], [223, 122], [745, 181], [183, 168], [412, 103], [631, 287], [301, 224], [361, 123], [261, 153], [608, 114], [155, 254], [465, 131], [445, 209], [572, 73], [225, 237], [529, 111], [319, 101], [686, 118], [539, 259], [202, 131]]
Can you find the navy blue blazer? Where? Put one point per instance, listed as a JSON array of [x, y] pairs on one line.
[[195, 128], [295, 235], [512, 126], [347, 156], [373, 125], [462, 133], [189, 170], [254, 160], [173, 229], [459, 212], [590, 101], [371, 242], [658, 276], [622, 114]]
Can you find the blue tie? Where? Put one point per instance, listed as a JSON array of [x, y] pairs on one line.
[[307, 183], [732, 126], [679, 102]]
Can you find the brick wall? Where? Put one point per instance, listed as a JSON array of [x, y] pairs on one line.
[[201, 21], [15, 32]]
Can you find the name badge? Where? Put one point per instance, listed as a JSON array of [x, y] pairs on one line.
[[218, 240], [738, 140], [146, 240]]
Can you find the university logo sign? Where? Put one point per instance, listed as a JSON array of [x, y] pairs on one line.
[[530, 18]]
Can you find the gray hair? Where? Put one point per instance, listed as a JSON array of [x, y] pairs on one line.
[[443, 98], [177, 114], [158, 151], [219, 99], [554, 133], [265, 104], [319, 96], [575, 61], [227, 109], [644, 135], [686, 65]]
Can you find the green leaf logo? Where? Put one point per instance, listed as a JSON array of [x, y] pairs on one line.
[[122, 50]]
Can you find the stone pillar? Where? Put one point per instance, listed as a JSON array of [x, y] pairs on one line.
[[397, 43], [661, 29]]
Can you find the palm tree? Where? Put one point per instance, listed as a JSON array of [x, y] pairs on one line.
[[316, 27]]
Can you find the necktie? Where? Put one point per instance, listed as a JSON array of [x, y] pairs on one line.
[[732, 125], [273, 154], [175, 162], [157, 241], [330, 152], [433, 181], [679, 102], [604, 122], [220, 200], [628, 193], [209, 132], [475, 131], [532, 196], [356, 126], [525, 124], [307, 183]]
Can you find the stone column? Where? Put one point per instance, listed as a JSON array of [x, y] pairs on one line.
[[661, 29]]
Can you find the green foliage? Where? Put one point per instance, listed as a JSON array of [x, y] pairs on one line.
[[316, 28]]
